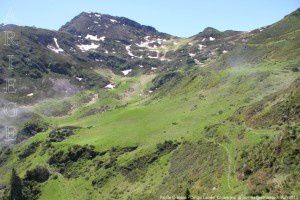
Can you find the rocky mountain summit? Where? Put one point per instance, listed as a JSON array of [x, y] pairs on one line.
[[114, 28]]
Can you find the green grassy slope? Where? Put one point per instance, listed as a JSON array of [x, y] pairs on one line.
[[203, 131]]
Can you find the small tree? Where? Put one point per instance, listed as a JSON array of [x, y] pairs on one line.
[[15, 187], [188, 194]]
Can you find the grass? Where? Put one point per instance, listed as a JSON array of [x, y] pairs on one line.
[[147, 124], [197, 111], [160, 120]]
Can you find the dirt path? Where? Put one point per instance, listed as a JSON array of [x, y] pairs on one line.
[[138, 88]]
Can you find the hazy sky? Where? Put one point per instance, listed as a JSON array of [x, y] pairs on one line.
[[177, 17]]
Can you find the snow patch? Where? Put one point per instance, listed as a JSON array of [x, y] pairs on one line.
[[94, 37], [30, 95], [192, 55], [126, 72], [225, 51], [151, 44], [87, 47], [201, 46], [110, 86], [129, 51], [155, 57], [56, 49], [159, 40], [79, 79], [211, 39], [147, 42], [113, 20], [198, 62]]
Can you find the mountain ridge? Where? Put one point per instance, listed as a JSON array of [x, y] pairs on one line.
[[104, 117]]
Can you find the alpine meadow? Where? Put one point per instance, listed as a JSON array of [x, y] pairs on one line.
[[105, 108]]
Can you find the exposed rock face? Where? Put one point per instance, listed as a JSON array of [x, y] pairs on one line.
[[114, 28]]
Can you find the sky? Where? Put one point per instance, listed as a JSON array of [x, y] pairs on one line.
[[177, 17]]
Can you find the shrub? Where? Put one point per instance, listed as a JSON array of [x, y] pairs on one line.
[[31, 128], [39, 174], [73, 154], [29, 150], [61, 134], [15, 187]]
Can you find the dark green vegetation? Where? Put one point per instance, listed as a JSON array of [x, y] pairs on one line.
[[16, 186], [274, 157], [30, 128], [216, 114]]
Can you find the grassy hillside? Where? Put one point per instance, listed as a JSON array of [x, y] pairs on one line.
[[228, 128]]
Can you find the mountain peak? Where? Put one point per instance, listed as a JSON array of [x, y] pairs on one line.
[[209, 30], [215, 33], [113, 27]]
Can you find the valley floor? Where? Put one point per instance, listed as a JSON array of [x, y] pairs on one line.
[[229, 128]]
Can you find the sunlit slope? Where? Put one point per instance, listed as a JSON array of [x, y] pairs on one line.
[[201, 129]]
